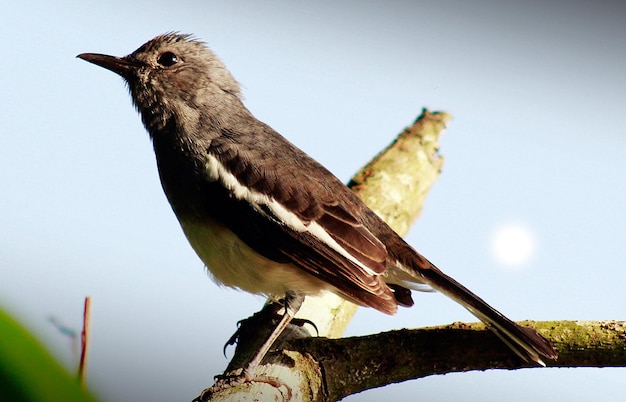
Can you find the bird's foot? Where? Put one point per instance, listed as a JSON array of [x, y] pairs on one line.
[[269, 315]]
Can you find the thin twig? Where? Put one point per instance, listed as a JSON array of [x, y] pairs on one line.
[[84, 338]]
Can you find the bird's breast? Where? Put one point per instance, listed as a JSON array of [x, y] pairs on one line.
[[234, 264]]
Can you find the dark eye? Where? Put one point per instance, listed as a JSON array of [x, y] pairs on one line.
[[167, 59]]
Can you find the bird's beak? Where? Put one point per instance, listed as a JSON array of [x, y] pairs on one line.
[[119, 65]]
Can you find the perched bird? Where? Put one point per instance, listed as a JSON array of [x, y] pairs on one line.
[[263, 215]]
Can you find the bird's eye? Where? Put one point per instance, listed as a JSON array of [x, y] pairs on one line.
[[167, 59]]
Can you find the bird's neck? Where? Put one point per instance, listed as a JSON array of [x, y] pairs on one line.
[[184, 137]]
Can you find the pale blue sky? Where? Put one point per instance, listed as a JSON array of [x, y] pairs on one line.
[[538, 94]]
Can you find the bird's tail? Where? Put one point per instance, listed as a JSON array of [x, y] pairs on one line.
[[525, 342]]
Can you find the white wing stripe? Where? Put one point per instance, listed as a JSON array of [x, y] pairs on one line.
[[216, 171]]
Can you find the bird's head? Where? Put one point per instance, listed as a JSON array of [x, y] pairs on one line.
[[171, 75]]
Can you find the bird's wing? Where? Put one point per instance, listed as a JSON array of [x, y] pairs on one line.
[[289, 208]]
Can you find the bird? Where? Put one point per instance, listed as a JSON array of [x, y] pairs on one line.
[[261, 214]]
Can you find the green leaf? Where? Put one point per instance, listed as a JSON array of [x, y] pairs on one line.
[[29, 373]]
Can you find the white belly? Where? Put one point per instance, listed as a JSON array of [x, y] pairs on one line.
[[234, 264]]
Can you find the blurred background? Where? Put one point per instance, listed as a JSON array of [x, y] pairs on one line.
[[527, 212]]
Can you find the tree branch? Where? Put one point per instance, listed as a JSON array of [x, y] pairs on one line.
[[321, 369], [304, 368], [394, 184], [352, 365]]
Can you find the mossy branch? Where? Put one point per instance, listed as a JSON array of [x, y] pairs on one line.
[[394, 184], [352, 365], [303, 368]]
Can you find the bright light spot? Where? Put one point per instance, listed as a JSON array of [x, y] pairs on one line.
[[513, 244]]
